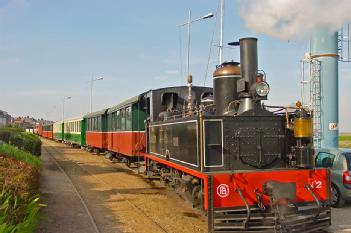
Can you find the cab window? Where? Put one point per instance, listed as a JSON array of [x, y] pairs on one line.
[[325, 159]]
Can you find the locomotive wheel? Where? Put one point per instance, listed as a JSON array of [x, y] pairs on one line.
[[197, 196], [336, 199], [129, 163]]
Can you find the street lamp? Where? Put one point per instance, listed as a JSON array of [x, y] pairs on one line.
[[91, 90], [189, 77], [207, 16], [63, 106]]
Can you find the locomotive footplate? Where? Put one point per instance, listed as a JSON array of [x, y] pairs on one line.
[[277, 217], [234, 220]]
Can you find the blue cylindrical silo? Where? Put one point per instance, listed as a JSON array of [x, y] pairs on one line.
[[324, 48]]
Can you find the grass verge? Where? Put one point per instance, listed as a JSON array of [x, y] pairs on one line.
[[19, 182], [20, 155]]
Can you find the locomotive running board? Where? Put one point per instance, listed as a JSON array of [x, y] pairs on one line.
[[229, 220]]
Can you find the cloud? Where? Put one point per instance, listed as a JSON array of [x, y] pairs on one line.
[[288, 19]]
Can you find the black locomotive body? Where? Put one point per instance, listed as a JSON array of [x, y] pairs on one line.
[[240, 143], [250, 168]]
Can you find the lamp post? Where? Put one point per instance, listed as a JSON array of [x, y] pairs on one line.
[[221, 33], [91, 90], [63, 107], [209, 15], [189, 77]]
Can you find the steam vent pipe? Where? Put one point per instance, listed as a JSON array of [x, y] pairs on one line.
[[324, 48], [248, 60]]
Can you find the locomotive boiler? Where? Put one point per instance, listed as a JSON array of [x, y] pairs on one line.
[[249, 166]]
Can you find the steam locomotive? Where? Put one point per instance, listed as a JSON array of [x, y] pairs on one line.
[[250, 167]]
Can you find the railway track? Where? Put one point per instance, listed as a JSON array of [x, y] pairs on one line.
[[52, 151]]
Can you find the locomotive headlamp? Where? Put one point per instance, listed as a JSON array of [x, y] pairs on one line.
[[262, 89]]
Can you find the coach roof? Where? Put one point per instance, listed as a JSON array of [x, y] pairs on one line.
[[97, 113], [124, 103]]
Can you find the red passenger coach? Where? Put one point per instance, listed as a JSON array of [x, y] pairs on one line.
[[39, 129], [96, 135], [126, 131], [48, 131]]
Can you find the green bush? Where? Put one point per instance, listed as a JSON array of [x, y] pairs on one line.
[[27, 142], [5, 136], [20, 155], [22, 140], [5, 133]]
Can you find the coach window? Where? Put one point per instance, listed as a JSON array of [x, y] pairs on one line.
[[113, 122], [118, 120], [123, 119], [128, 118], [110, 121], [97, 123]]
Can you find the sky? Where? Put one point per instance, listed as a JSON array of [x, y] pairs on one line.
[[51, 49]]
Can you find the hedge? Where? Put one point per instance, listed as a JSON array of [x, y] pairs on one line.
[[22, 140]]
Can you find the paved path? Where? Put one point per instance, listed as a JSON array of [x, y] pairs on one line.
[[65, 211], [83, 190]]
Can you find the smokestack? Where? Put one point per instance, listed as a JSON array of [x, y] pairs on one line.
[[248, 60]]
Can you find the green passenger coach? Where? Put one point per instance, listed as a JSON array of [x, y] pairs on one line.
[[74, 131], [58, 131]]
